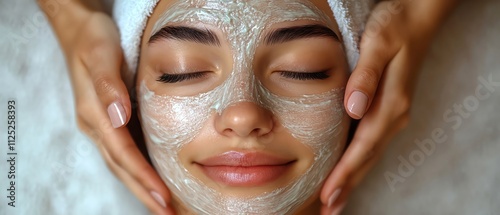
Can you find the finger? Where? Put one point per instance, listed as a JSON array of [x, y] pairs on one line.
[[360, 157], [97, 127], [362, 84], [103, 61], [388, 115], [93, 134], [88, 109], [93, 118], [125, 153], [370, 132], [338, 206], [99, 134], [139, 191], [378, 46]]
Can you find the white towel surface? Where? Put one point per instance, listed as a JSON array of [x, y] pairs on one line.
[[131, 18], [60, 172]]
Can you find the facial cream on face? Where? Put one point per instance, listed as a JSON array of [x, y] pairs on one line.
[[171, 122]]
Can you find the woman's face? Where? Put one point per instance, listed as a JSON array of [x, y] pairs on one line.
[[241, 102]]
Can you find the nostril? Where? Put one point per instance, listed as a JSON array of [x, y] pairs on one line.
[[257, 131], [227, 131], [244, 119]]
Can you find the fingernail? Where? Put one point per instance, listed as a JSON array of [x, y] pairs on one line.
[[357, 103], [116, 114], [334, 197], [339, 209], [158, 199]]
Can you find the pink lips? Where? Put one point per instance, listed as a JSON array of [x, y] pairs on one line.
[[244, 169]]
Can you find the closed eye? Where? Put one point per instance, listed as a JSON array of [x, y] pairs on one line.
[[304, 76], [175, 78]]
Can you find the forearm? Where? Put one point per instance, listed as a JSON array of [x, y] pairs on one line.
[[67, 16], [429, 14]]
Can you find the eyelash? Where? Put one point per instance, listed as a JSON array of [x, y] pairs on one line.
[[175, 78], [304, 76]]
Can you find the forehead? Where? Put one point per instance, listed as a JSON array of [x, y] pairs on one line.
[[242, 15]]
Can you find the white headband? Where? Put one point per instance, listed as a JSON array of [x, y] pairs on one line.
[[131, 18]]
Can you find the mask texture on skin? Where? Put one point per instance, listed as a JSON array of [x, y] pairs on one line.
[[171, 122]]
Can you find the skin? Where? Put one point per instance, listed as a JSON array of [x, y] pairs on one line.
[[390, 55], [91, 44], [237, 122], [385, 73]]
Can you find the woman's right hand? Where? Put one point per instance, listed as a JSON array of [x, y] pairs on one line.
[[91, 44]]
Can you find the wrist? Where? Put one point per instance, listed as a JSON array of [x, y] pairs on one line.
[[429, 15], [67, 17]]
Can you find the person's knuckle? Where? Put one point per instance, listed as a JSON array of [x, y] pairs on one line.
[[141, 174], [103, 85], [98, 47], [401, 107], [83, 109], [368, 77], [113, 156], [93, 134], [384, 42], [99, 51], [94, 51], [104, 125], [404, 105], [371, 39], [399, 102], [404, 120], [108, 159], [124, 151]]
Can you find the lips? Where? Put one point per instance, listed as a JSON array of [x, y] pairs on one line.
[[245, 169]]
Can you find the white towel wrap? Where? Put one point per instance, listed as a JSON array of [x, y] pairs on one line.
[[131, 18]]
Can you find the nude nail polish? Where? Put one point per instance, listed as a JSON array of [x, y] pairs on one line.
[[334, 197], [158, 199], [357, 103], [117, 114]]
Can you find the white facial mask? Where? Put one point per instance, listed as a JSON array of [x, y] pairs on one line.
[[171, 122]]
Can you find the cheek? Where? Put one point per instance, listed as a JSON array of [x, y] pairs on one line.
[[169, 120], [206, 142], [315, 120]]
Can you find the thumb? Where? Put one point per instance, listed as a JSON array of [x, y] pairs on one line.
[[103, 64], [362, 84]]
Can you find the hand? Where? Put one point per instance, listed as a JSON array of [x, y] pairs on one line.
[[91, 45], [382, 84]]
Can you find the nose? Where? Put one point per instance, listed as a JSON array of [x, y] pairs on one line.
[[244, 119]]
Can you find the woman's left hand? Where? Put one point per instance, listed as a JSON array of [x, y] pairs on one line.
[[392, 47]]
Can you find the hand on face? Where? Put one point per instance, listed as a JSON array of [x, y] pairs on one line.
[[103, 107], [379, 92]]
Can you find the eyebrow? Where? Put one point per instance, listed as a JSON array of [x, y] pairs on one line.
[[185, 33], [282, 35]]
